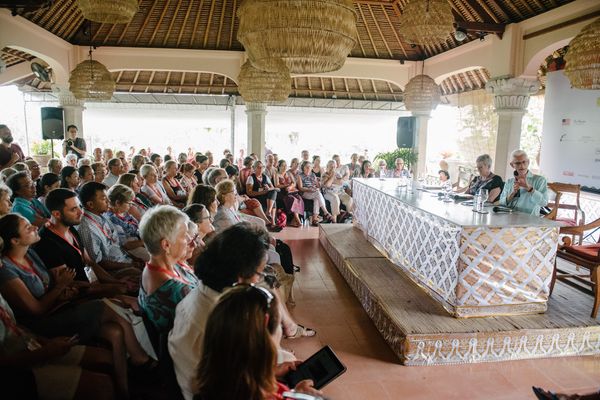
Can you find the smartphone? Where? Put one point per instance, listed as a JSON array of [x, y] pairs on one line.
[[322, 367], [74, 338]]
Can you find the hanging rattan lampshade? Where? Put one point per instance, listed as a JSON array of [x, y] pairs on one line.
[[90, 80], [426, 22], [421, 95], [583, 58], [109, 11], [258, 86], [311, 36]]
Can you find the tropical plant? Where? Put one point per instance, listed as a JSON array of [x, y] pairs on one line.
[[408, 155], [43, 148]]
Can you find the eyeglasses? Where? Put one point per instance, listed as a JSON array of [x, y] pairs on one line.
[[194, 240], [517, 163]]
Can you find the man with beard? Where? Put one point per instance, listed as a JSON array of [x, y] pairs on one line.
[[10, 153], [61, 244]]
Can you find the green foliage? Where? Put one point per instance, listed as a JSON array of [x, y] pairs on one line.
[[43, 148], [408, 155]]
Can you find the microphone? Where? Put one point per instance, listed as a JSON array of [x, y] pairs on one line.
[[499, 209], [516, 174]]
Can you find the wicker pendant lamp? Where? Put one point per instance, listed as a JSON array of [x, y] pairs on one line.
[[583, 58], [90, 80], [109, 11], [258, 86], [311, 36], [421, 95], [426, 22]]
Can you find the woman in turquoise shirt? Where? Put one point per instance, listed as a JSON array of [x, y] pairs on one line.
[[24, 201]]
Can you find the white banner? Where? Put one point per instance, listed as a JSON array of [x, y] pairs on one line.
[[571, 138]]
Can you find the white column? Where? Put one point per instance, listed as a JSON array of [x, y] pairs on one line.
[[421, 142], [73, 109], [256, 128], [511, 97]]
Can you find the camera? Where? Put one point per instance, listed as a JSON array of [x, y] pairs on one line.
[[69, 142]]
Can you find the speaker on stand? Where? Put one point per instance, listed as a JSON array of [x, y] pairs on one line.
[[53, 125]]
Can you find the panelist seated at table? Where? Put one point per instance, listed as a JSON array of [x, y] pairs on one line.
[[486, 179], [525, 192]]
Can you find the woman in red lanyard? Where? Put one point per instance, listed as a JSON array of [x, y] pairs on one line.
[[202, 221], [152, 187], [174, 190], [165, 233], [141, 203]]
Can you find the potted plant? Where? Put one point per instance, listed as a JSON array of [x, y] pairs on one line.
[[41, 152], [408, 155]]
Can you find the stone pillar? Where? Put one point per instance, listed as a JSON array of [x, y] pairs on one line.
[[256, 128], [511, 97], [73, 110], [421, 143]]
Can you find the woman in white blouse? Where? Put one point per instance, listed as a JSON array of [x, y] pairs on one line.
[[152, 187]]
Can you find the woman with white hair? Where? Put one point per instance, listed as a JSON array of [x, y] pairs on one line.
[[5, 203], [152, 187], [71, 159], [486, 179], [164, 230]]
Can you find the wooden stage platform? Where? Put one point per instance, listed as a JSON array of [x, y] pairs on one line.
[[421, 332]]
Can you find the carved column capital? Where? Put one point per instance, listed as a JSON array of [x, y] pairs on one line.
[[511, 95], [256, 107], [66, 98]]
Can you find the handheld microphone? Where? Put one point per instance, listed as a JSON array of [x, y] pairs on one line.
[[516, 174], [498, 209]]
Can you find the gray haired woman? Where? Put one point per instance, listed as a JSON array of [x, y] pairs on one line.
[[486, 179]]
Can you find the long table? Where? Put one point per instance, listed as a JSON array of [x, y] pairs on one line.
[[474, 264]]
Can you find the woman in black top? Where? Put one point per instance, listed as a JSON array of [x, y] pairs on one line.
[[486, 179]]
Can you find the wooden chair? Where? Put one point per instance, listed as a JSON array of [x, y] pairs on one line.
[[583, 256], [465, 175], [552, 215], [578, 215]]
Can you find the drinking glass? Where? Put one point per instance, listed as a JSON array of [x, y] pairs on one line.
[[447, 190], [483, 196]]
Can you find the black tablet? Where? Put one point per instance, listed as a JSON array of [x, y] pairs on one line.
[[322, 367]]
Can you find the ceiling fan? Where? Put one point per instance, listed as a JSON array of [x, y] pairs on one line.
[[41, 70], [19, 7]]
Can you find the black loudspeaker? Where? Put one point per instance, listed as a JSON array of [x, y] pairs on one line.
[[53, 126], [405, 132]]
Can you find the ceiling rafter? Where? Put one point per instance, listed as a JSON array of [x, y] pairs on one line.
[[173, 19], [162, 16]]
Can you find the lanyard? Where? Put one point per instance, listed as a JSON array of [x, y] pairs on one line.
[[93, 221], [140, 203], [176, 185], [131, 221], [170, 273], [74, 244], [9, 323]]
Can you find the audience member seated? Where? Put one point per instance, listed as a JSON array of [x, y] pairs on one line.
[[215, 176], [152, 187], [6, 173], [316, 166], [54, 166], [21, 167], [157, 161], [199, 215], [57, 368], [115, 169], [444, 178], [97, 156], [188, 180], [86, 174], [100, 237], [486, 179], [99, 171], [201, 166], [399, 170], [24, 201], [245, 172], [353, 165], [137, 161], [365, 170], [525, 192], [304, 155], [270, 170], [248, 316], [84, 161], [164, 283], [71, 160], [310, 187], [34, 169], [259, 187], [207, 196], [334, 192], [107, 155], [172, 186], [293, 204], [382, 171], [140, 202], [5, 203], [69, 178], [120, 199], [47, 182]]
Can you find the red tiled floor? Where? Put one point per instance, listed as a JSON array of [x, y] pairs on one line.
[[325, 303]]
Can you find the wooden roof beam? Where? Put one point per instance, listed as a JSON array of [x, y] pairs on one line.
[[183, 25], [380, 33], [196, 21], [393, 28], [166, 38], [208, 23], [144, 24], [221, 24], [160, 20], [368, 31]]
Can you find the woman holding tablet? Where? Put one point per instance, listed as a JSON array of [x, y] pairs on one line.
[[248, 316]]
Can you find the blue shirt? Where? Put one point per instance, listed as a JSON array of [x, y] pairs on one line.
[[37, 281], [529, 203], [30, 208]]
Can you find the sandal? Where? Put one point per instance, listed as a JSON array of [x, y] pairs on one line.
[[314, 223], [301, 331]]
